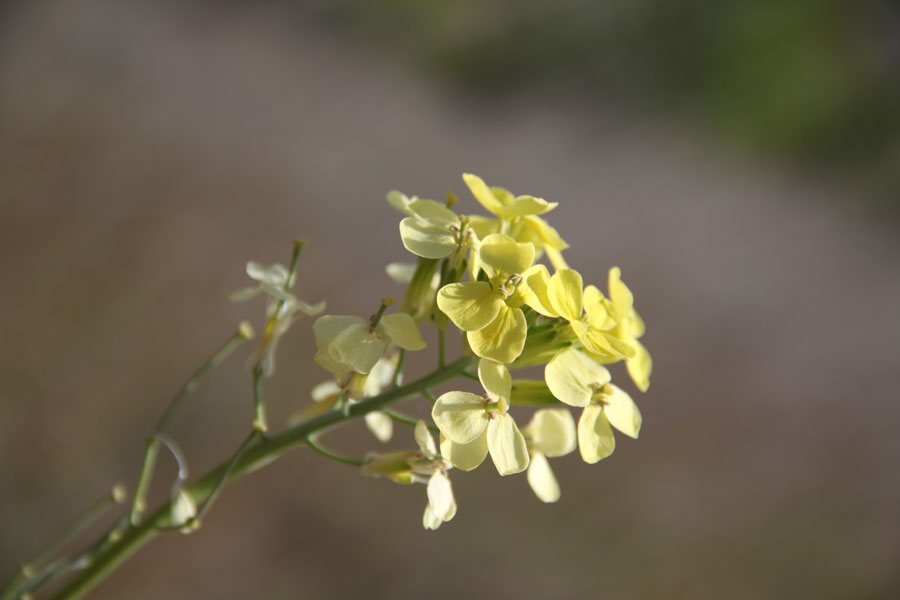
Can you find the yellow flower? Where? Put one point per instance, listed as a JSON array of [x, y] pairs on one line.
[[517, 216], [431, 230], [348, 343], [472, 426], [577, 380], [489, 310], [591, 316], [629, 328], [550, 433], [425, 466]]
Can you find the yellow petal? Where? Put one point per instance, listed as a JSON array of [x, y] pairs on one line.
[[183, 507], [507, 445], [402, 330], [602, 342], [440, 496], [426, 240], [460, 416], [619, 292], [595, 438], [551, 432], [621, 411], [572, 376], [541, 479], [639, 366], [547, 234], [400, 272], [400, 201], [357, 347], [327, 327], [275, 275], [434, 213], [533, 290], [482, 193], [503, 339], [380, 425], [430, 520], [471, 305], [556, 258], [424, 439], [465, 457], [565, 293], [501, 256], [495, 378], [483, 226], [526, 205], [325, 391], [601, 313]]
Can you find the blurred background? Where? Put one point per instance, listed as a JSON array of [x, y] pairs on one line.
[[739, 161]]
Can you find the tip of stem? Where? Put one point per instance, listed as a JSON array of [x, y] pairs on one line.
[[119, 493], [387, 300], [298, 243], [245, 330]]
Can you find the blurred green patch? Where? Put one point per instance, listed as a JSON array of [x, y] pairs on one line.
[[812, 82]]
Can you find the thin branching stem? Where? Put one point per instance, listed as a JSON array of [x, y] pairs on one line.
[[250, 457]]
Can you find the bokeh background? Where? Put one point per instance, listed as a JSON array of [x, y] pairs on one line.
[[740, 162]]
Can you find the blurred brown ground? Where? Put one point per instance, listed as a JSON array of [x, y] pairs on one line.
[[148, 150]]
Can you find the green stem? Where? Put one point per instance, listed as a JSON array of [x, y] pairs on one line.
[[31, 575], [223, 477], [255, 456], [407, 420], [151, 454], [398, 372], [259, 407], [313, 443]]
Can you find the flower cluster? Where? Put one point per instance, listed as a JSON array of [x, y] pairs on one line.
[[483, 274]]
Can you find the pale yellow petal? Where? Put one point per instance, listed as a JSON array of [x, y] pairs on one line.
[[275, 275], [595, 437], [430, 520], [533, 290], [551, 432], [460, 416], [434, 213], [556, 258], [501, 256], [424, 439], [565, 293], [400, 201], [503, 339], [440, 496], [639, 366], [380, 425], [507, 445], [470, 305], [541, 479], [401, 273], [482, 193], [325, 391], [572, 376], [526, 205], [483, 226], [327, 327], [548, 235], [495, 379], [619, 292], [465, 457], [621, 411], [183, 507], [401, 328], [426, 240], [601, 313], [602, 342], [357, 347]]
